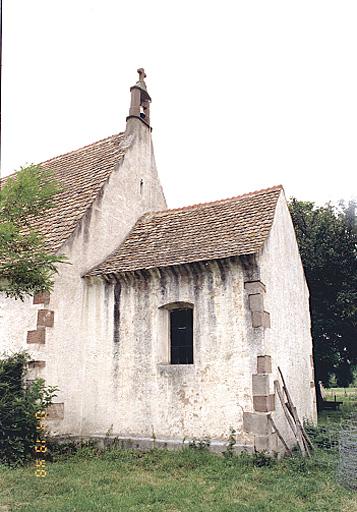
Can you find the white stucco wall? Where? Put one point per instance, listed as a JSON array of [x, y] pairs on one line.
[[107, 222], [139, 393], [288, 340]]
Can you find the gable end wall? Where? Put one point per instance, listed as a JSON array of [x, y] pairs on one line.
[[108, 220], [288, 340]]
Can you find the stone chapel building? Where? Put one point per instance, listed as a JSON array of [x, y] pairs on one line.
[[169, 324]]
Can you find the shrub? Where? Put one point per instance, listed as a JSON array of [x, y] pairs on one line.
[[19, 405]]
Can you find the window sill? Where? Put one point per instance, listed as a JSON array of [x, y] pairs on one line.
[[175, 369]]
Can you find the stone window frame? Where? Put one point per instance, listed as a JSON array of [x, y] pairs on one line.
[[165, 335]]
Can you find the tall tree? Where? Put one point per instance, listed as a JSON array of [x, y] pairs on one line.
[[327, 239], [25, 265]]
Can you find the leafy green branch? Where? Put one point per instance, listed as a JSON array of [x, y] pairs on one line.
[[26, 267]]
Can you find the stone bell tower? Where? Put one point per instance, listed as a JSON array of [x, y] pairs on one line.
[[140, 100]]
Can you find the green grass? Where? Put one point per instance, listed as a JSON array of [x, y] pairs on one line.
[[183, 481]]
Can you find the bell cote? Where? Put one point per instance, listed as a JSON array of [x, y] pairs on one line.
[[140, 100]]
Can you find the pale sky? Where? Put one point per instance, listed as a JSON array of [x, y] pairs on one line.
[[246, 94]]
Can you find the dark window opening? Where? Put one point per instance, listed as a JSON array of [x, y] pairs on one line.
[[181, 336], [117, 290]]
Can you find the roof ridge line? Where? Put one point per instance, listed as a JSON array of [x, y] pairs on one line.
[[218, 201]]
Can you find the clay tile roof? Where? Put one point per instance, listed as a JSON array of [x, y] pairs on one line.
[[82, 174], [208, 231]]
